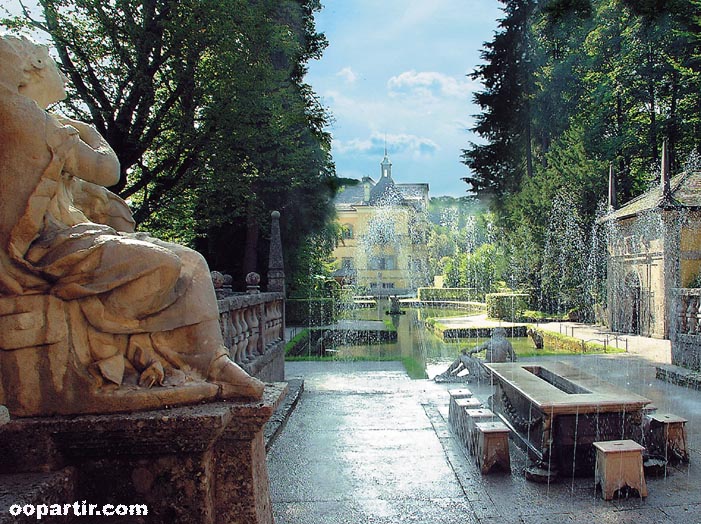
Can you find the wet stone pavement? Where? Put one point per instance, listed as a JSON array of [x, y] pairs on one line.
[[366, 444]]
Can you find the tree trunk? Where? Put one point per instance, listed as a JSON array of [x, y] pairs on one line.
[[529, 149], [673, 128]]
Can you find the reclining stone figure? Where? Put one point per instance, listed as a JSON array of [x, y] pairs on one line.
[[497, 348], [93, 317]]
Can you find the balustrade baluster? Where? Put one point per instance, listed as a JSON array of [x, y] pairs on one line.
[[252, 323], [243, 335], [267, 326], [692, 315], [225, 326], [252, 327], [683, 305], [274, 321]]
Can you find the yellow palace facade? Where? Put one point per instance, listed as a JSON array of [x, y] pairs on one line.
[[382, 249]]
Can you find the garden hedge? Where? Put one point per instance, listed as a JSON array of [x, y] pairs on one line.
[[506, 306], [445, 293]]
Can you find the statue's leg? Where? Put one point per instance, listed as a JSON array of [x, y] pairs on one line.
[[211, 360], [454, 368], [475, 367]]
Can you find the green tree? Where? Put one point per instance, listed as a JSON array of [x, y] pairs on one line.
[[505, 122], [564, 258], [133, 68], [593, 82]]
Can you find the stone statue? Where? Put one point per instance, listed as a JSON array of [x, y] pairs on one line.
[[498, 349], [93, 317], [536, 337]]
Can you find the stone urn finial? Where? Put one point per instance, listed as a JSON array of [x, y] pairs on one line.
[[217, 279], [253, 283]]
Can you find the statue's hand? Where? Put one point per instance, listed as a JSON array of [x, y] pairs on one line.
[[63, 139], [86, 132], [71, 130]]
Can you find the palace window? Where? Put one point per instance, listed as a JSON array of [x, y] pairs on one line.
[[382, 263]]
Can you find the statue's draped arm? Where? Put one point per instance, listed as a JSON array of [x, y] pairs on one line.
[[91, 159]]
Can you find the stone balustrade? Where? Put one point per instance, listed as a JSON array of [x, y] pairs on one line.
[[689, 322], [686, 325], [253, 325]]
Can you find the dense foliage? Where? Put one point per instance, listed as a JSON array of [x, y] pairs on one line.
[[569, 88], [205, 105]]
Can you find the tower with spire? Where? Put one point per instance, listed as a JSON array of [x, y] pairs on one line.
[[386, 165]]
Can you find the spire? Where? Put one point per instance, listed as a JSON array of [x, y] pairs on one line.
[[276, 266], [386, 165], [664, 177], [612, 188]]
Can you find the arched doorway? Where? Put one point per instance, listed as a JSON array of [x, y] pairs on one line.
[[632, 302]]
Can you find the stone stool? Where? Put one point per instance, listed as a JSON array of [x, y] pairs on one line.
[[453, 412], [492, 449], [472, 417], [619, 463], [668, 434], [454, 395], [459, 420]]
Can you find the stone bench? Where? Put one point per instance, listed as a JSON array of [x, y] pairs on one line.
[[454, 395], [619, 464], [492, 446]]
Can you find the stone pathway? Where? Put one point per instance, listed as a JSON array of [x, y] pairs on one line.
[[366, 444], [653, 349]]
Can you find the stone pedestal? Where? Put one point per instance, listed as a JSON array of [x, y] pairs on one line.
[[454, 412], [201, 464]]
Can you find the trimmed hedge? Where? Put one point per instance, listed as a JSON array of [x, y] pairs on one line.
[[558, 341], [445, 293], [309, 312], [506, 306]]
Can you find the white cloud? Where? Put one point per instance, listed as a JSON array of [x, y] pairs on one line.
[[396, 143], [429, 84], [348, 75]]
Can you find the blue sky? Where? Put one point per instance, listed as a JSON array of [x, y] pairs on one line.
[[398, 69]]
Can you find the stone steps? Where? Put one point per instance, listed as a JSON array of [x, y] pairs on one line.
[[55, 487]]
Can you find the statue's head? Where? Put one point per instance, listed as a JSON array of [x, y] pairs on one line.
[[28, 67], [499, 333]]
